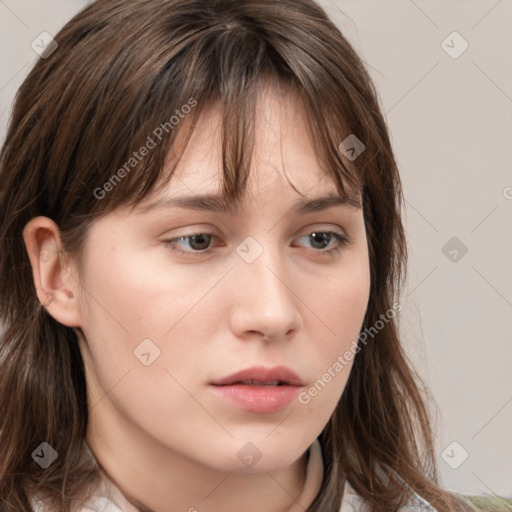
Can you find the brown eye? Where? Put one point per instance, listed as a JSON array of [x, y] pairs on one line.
[[197, 243]]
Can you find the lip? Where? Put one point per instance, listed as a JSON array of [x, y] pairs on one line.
[[259, 398], [263, 374]]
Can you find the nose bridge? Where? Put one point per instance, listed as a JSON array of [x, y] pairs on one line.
[[264, 297]]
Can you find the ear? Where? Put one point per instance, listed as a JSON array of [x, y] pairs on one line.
[[55, 278]]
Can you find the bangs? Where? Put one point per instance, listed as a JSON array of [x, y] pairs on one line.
[[223, 66]]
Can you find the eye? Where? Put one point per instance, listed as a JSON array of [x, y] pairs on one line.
[[200, 243], [323, 239]]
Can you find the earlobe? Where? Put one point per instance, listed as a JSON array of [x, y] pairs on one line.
[[54, 280]]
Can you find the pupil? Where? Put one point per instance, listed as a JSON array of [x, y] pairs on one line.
[[322, 237], [201, 239]]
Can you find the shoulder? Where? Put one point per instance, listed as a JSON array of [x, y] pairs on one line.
[[352, 502]]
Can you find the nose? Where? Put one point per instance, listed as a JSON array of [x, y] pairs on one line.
[[263, 302]]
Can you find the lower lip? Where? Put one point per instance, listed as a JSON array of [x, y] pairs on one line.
[[259, 398]]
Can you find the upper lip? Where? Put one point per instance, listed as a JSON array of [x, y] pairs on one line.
[[262, 374]]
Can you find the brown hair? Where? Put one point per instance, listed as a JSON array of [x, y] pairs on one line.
[[121, 71]]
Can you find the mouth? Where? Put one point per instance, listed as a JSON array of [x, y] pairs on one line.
[[259, 389], [258, 383], [262, 376]]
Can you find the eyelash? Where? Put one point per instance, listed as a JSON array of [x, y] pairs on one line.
[[342, 242]]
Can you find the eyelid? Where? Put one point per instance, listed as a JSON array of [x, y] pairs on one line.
[[323, 227], [208, 229]]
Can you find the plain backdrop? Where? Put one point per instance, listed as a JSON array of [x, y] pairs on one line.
[[443, 70]]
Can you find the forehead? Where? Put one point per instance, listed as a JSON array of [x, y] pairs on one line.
[[283, 157]]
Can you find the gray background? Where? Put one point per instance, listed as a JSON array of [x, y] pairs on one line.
[[451, 125]]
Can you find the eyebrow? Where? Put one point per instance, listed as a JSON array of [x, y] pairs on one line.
[[218, 204]]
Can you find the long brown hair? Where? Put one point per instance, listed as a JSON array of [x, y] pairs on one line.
[[122, 74]]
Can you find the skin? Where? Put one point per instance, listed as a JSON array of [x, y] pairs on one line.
[[158, 430]]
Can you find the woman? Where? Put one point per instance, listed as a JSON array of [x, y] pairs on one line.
[[201, 258]]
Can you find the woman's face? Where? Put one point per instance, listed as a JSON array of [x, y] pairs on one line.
[[166, 314]]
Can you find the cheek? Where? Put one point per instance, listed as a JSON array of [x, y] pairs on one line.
[[343, 301], [139, 297], [136, 315], [341, 306], [142, 305]]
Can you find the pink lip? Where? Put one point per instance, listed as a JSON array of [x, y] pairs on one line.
[[259, 398], [260, 373]]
